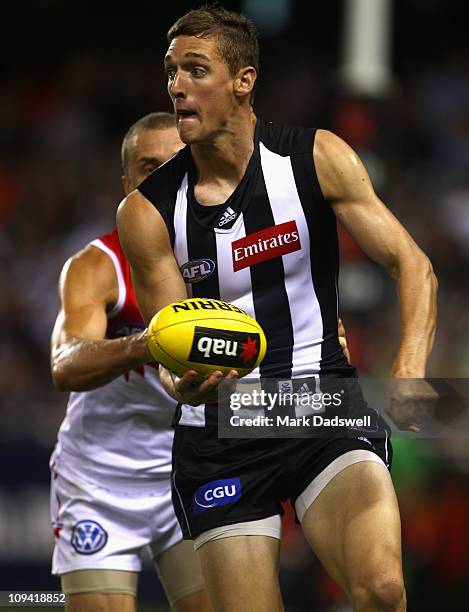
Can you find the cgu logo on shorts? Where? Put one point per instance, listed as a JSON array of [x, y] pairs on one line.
[[197, 270], [216, 493], [264, 245], [88, 537], [224, 347]]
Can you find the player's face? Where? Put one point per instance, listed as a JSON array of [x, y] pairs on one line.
[[200, 87], [147, 150]]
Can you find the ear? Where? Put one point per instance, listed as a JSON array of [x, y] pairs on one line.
[[244, 81], [126, 184]]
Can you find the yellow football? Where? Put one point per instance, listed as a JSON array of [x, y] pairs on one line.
[[206, 335]]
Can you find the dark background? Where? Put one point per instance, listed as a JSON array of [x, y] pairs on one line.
[[72, 81]]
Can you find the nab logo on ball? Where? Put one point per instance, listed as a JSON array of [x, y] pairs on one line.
[[216, 493], [197, 270], [88, 537], [206, 335], [224, 347]]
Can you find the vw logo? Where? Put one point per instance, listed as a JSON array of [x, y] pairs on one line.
[[88, 537]]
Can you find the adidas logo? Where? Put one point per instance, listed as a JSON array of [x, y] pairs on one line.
[[304, 389], [227, 216]]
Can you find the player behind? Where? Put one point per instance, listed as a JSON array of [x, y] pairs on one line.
[[241, 183], [111, 466]]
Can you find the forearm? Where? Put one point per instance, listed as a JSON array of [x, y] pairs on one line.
[[82, 364], [417, 289]]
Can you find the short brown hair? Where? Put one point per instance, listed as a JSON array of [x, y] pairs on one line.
[[236, 34], [152, 121]]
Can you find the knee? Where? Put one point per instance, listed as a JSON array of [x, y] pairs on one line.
[[381, 594]]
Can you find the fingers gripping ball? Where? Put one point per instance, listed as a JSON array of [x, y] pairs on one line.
[[206, 335]]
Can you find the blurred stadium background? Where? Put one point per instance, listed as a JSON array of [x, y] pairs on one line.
[[73, 81]]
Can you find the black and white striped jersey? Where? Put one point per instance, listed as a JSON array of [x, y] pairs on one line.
[[271, 249]]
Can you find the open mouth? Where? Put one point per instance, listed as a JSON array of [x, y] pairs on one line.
[[185, 114]]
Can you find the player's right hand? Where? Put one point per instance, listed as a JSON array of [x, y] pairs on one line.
[[190, 389]]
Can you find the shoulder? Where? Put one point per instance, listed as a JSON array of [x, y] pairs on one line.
[[136, 214], [90, 270], [286, 139], [330, 147], [338, 167]]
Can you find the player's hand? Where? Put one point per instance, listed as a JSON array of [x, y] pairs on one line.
[[343, 340], [412, 402], [190, 389]]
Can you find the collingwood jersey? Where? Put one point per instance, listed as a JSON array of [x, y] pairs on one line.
[[118, 435], [270, 249]]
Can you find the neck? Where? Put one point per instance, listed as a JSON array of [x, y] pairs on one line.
[[227, 156]]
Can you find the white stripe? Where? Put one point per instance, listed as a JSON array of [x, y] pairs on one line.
[[180, 228], [120, 277], [192, 415], [304, 306], [235, 287], [181, 502]]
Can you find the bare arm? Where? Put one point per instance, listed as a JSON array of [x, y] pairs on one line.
[[81, 358], [145, 240], [158, 282], [345, 184]]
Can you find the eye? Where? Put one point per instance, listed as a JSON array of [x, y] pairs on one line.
[[148, 168], [170, 73], [198, 71]]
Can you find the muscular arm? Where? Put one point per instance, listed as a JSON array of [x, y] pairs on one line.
[[345, 184], [81, 358], [158, 282], [145, 240]]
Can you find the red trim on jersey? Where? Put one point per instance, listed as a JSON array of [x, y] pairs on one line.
[[128, 320]]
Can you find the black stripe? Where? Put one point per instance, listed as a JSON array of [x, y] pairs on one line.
[[270, 299], [201, 244]]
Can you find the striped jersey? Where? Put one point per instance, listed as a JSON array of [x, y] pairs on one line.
[[270, 249], [118, 435]]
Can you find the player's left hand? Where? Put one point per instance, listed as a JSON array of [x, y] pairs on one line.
[[343, 340], [412, 402]]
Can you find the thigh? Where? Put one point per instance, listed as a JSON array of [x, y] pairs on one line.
[[109, 602], [354, 526], [241, 573], [106, 590], [180, 573]]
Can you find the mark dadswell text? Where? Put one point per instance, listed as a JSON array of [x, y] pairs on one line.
[[315, 420]]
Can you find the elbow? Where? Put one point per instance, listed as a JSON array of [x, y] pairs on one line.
[[430, 277], [62, 379]]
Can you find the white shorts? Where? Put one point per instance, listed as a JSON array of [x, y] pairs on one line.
[[96, 528]]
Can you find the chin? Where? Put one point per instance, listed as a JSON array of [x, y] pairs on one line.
[[187, 135]]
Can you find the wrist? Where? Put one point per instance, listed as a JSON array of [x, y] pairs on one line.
[[401, 371], [137, 349]]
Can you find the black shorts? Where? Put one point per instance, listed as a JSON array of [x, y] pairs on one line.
[[225, 481]]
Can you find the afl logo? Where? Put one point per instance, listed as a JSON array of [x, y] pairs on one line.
[[197, 270], [88, 537]]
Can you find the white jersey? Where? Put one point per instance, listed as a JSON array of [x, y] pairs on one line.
[[120, 434]]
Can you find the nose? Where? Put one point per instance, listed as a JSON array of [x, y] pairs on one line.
[[176, 86]]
